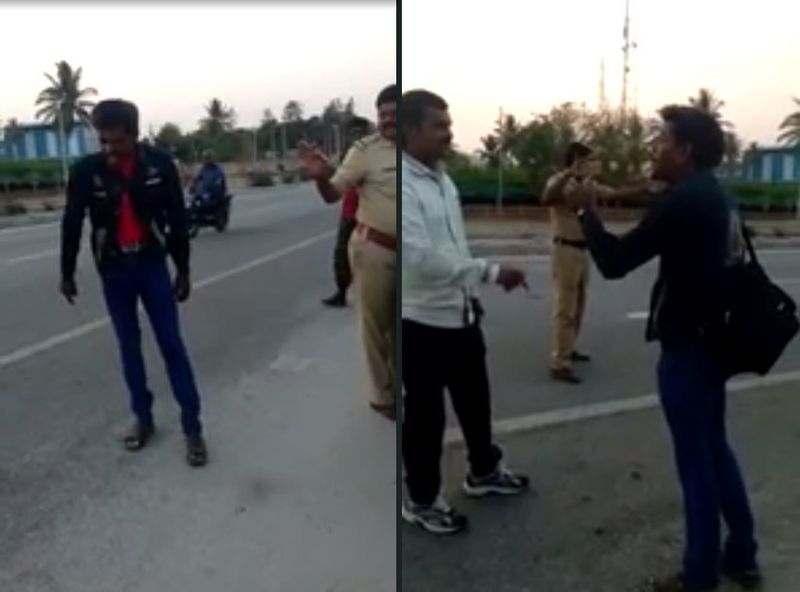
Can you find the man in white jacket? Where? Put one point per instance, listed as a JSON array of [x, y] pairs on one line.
[[443, 345]]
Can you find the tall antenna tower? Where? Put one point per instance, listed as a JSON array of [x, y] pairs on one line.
[[626, 50], [602, 102]]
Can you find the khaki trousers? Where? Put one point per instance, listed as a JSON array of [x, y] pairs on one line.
[[571, 276], [374, 282]]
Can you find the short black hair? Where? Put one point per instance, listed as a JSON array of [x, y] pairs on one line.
[[415, 104], [116, 114], [574, 151], [387, 95], [699, 130]]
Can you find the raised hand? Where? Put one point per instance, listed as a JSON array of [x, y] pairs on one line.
[[313, 161]]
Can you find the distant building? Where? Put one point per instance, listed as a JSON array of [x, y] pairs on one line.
[[40, 141], [772, 165]]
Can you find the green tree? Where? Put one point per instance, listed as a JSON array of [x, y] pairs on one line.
[[219, 119], [293, 112], [65, 101], [733, 150], [536, 151], [267, 131], [790, 127], [707, 101], [490, 151], [170, 138]]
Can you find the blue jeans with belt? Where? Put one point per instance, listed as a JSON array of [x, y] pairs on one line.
[[143, 277], [693, 396]]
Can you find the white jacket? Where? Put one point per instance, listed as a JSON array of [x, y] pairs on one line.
[[439, 274]]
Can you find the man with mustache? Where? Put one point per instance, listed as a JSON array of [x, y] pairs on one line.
[[135, 201], [443, 343], [371, 166]]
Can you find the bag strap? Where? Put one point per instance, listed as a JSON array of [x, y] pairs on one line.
[[749, 243]]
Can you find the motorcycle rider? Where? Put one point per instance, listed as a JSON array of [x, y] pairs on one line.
[[210, 181]]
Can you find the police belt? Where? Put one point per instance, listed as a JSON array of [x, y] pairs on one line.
[[387, 241]]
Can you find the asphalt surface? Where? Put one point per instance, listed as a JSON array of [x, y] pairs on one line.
[[295, 454], [604, 513]]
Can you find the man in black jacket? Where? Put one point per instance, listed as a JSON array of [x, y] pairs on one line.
[[693, 229], [135, 202]]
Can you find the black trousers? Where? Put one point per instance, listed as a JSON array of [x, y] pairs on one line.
[[436, 359], [341, 258]]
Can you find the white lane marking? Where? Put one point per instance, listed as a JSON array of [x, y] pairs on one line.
[[54, 252], [638, 315], [43, 254], [51, 342], [26, 228], [764, 252], [578, 413]]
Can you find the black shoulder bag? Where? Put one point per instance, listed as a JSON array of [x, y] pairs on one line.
[[758, 318]]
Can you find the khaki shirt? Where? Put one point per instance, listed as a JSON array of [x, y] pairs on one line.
[[563, 219], [371, 165]]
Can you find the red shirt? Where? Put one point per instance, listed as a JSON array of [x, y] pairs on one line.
[[129, 229], [350, 204]]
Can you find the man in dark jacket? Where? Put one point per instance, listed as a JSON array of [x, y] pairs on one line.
[[135, 202], [694, 231]]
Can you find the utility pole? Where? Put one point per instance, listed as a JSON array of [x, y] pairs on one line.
[[602, 102], [626, 47], [63, 140], [500, 161]]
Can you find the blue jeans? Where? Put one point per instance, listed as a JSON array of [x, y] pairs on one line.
[[146, 278], [693, 398]]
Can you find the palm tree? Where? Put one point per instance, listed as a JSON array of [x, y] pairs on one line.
[[64, 102], [790, 128], [219, 118], [707, 101], [733, 149]]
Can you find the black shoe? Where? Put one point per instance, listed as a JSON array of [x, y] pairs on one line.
[[338, 300], [747, 579], [579, 357], [196, 451], [138, 436], [565, 375], [500, 482], [676, 583], [438, 518]]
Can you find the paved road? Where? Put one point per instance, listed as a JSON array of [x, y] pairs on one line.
[[604, 513], [295, 453]]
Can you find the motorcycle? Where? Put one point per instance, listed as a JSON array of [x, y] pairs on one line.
[[203, 212]]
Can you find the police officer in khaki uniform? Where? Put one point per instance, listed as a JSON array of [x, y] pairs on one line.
[[570, 260], [370, 165]]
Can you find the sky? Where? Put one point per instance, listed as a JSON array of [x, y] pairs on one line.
[[171, 59], [528, 55]]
